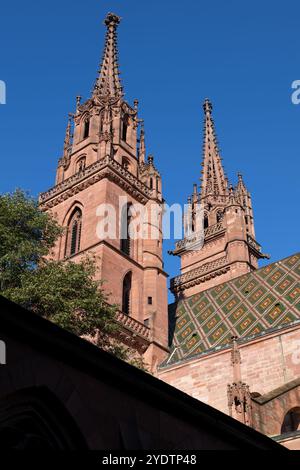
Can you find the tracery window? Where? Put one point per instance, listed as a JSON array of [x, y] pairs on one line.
[[126, 301], [74, 233]]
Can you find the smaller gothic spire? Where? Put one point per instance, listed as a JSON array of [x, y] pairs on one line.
[[68, 136], [108, 82], [214, 181], [142, 147], [241, 187]]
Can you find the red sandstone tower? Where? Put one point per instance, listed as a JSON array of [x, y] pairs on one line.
[[103, 161], [229, 248]]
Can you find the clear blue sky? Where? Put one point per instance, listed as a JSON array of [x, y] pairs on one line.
[[242, 55]]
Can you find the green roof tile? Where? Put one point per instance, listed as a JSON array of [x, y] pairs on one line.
[[246, 306]]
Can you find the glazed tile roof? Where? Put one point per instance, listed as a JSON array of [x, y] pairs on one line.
[[246, 306]]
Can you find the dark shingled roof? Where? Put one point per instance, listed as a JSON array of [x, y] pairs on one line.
[[248, 305]]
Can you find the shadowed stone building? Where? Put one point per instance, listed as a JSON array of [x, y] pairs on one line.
[[232, 337]]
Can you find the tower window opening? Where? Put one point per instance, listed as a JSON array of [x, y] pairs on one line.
[[86, 129], [126, 300], [151, 183], [125, 129], [205, 222], [74, 233], [125, 226], [193, 217], [150, 301]]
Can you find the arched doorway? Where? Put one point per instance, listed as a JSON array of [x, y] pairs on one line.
[[34, 418], [291, 422]]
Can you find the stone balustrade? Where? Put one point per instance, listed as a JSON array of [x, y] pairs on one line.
[[133, 325]]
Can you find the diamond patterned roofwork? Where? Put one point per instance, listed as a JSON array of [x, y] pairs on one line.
[[246, 306]]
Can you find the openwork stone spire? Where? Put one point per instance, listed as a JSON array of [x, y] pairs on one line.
[[214, 181], [108, 82]]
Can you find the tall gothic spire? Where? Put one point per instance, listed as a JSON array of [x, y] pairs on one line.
[[108, 82], [214, 181]]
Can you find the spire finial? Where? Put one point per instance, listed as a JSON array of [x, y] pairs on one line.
[[241, 187], [108, 83], [112, 20], [214, 181], [207, 106]]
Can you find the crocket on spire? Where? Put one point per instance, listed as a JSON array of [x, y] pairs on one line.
[[108, 82], [214, 181]]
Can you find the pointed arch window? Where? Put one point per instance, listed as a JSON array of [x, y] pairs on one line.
[[205, 221], [86, 128], [125, 128], [126, 300], [193, 217], [74, 233], [125, 232]]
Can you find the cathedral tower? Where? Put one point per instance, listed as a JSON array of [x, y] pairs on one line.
[[103, 184], [229, 248]]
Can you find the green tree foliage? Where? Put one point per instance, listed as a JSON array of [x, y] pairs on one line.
[[66, 293], [26, 235]]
